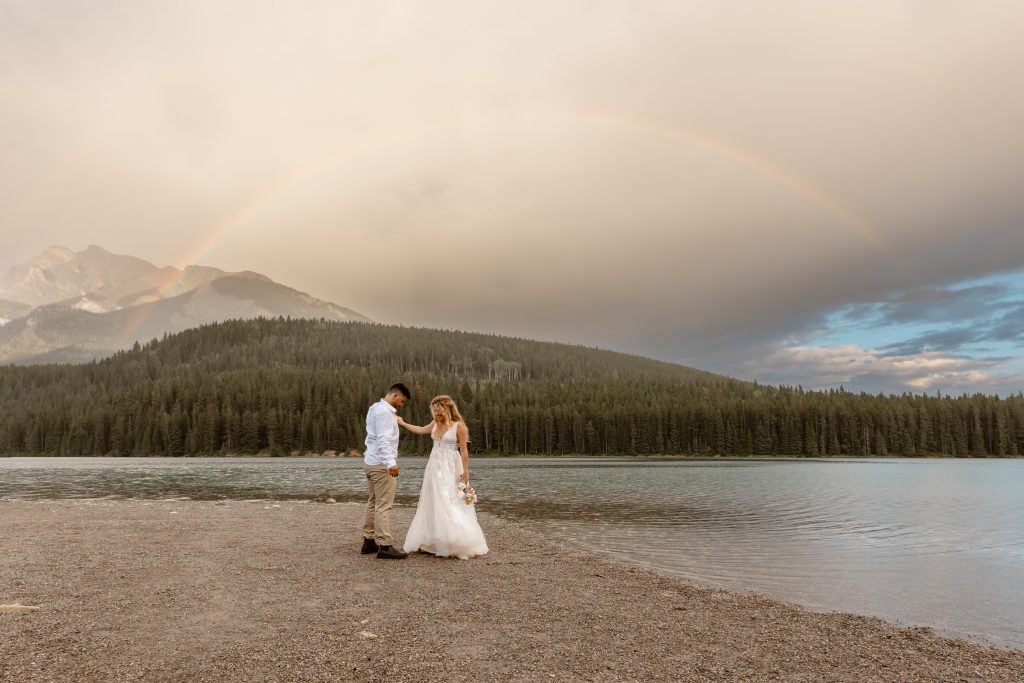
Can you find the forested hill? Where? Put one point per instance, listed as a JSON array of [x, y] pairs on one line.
[[282, 386]]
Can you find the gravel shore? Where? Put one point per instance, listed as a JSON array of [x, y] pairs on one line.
[[277, 591]]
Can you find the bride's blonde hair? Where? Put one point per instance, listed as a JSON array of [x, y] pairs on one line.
[[448, 405]]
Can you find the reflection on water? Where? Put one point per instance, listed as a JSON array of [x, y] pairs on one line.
[[932, 542]]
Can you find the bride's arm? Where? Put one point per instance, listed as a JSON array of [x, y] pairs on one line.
[[462, 435], [422, 431]]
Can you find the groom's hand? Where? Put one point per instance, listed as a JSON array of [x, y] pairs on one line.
[[393, 471]]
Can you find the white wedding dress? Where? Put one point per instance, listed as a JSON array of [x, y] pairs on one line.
[[444, 524]]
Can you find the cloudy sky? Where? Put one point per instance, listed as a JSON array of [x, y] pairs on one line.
[[820, 193]]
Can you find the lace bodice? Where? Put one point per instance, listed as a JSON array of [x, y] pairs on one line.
[[449, 439]]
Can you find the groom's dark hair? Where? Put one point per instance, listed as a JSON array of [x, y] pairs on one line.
[[402, 389]]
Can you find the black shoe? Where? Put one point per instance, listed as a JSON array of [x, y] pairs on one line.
[[369, 546], [390, 552]]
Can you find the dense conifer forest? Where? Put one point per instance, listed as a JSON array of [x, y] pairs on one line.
[[284, 386]]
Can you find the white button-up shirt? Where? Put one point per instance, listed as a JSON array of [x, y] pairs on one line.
[[381, 435]]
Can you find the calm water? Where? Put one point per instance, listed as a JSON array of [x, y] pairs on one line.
[[931, 542]]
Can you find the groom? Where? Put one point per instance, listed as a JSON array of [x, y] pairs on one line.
[[380, 461]]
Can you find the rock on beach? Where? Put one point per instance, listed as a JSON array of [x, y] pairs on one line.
[[245, 591]]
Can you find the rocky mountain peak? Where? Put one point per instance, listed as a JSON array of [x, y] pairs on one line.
[[58, 273], [86, 304]]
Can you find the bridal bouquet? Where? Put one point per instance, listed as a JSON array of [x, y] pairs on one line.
[[467, 492]]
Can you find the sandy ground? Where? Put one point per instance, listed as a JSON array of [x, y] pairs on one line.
[[255, 591]]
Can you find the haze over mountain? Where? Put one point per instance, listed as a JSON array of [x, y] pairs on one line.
[[68, 306], [814, 193]]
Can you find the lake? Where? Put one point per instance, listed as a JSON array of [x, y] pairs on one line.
[[937, 543]]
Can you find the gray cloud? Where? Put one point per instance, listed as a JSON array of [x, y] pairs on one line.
[[938, 340], [690, 180], [934, 304], [1009, 326]]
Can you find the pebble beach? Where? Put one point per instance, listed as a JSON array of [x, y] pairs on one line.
[[111, 590]]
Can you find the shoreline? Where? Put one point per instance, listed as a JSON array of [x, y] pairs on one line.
[[276, 590]]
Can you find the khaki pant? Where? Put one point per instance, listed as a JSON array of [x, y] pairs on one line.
[[377, 523]]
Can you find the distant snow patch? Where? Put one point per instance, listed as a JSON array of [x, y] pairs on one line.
[[87, 304]]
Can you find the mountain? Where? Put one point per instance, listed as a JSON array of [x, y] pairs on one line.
[[72, 307], [282, 386], [12, 309], [59, 273]]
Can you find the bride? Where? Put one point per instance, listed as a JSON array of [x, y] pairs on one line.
[[444, 524]]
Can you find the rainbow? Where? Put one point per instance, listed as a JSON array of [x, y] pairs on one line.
[[743, 158], [782, 177]]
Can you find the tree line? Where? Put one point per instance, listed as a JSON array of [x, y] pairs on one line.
[[280, 386]]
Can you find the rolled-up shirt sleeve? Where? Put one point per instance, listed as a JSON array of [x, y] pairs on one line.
[[383, 429]]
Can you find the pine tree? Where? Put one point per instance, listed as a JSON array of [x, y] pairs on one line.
[[250, 386]]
